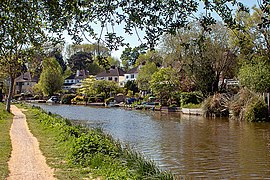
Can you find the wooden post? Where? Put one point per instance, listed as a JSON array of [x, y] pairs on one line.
[[268, 103]]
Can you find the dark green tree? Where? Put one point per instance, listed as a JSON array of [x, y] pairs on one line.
[[80, 61], [132, 86]]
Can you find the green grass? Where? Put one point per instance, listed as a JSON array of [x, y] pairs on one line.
[[76, 152], [5, 143]]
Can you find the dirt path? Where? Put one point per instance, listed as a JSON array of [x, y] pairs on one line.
[[27, 161]]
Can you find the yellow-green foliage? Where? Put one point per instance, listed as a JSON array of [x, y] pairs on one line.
[[5, 143]]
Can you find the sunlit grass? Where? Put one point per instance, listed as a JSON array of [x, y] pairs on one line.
[[5, 143], [75, 152]]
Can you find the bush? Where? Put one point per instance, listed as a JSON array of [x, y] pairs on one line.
[[217, 105], [89, 144], [191, 97], [256, 110], [66, 99], [239, 102]]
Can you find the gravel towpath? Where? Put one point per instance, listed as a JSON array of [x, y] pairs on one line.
[[27, 161]]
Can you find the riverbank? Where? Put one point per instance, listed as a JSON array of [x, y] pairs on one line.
[[5, 142], [76, 152], [26, 161]]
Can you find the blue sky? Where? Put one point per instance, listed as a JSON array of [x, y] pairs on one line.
[[133, 40]]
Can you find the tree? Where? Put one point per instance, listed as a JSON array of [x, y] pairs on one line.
[[145, 76], [88, 86], [150, 56], [22, 29], [51, 78], [256, 76], [253, 44], [198, 55], [164, 83], [80, 61], [106, 87], [95, 49], [130, 55], [131, 86]]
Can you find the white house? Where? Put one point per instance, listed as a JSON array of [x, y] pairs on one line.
[[132, 74], [113, 74], [74, 80]]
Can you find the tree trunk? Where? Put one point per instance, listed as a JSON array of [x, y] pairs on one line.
[[10, 93]]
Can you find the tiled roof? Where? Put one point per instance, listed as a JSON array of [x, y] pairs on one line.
[[112, 72], [26, 77], [133, 70]]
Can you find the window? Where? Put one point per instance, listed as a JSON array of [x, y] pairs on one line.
[[110, 78], [132, 76], [116, 79], [126, 77]]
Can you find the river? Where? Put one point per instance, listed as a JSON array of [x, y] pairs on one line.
[[188, 146]]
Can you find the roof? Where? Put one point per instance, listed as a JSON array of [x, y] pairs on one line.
[[80, 74], [72, 76], [133, 70], [26, 77], [112, 72]]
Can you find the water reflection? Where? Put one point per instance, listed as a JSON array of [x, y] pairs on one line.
[[189, 146]]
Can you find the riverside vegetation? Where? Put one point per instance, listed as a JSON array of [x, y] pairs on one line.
[[5, 142], [78, 152]]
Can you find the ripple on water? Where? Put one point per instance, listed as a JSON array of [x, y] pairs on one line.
[[190, 146]]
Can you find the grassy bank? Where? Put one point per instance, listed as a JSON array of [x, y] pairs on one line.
[[76, 152], [5, 143]]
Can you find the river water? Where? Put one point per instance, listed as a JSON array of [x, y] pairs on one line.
[[188, 146]]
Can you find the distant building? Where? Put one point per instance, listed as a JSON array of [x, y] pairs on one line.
[[25, 83], [132, 74], [74, 80], [113, 74]]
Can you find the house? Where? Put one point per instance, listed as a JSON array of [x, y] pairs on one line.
[[74, 80], [113, 74], [25, 83], [132, 74]]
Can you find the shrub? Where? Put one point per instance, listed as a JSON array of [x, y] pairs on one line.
[[217, 105], [66, 99], [256, 110], [239, 101], [89, 144], [191, 97]]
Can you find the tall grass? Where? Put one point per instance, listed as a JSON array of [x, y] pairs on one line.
[[5, 143], [76, 152]]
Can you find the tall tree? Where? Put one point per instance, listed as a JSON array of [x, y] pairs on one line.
[[80, 61], [150, 56], [199, 54], [22, 28], [253, 43], [145, 76], [95, 49], [130, 55], [51, 78]]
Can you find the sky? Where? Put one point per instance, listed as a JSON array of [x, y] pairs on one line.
[[133, 40]]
